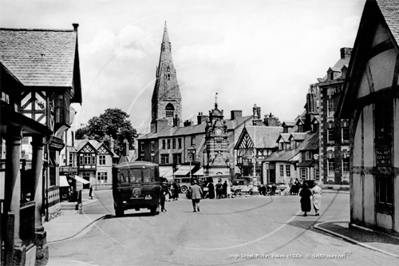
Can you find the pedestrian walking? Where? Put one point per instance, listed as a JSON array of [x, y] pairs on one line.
[[305, 195], [219, 190], [175, 191], [211, 190], [196, 196], [228, 190], [225, 189], [164, 192], [92, 181], [317, 192]]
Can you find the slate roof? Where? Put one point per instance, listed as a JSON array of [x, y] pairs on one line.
[[263, 136], [192, 130], [39, 57], [284, 136], [390, 11], [298, 135], [310, 143]]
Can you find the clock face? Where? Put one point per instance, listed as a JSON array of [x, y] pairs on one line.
[[218, 132]]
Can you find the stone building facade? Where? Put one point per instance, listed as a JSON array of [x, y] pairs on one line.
[[334, 132]]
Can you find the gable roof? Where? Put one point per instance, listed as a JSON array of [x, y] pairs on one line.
[[47, 58], [375, 11], [310, 143], [80, 143], [284, 137], [262, 136], [390, 12]]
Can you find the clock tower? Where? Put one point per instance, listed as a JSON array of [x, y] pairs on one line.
[[216, 152]]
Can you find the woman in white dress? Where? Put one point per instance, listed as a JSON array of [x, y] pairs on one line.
[[317, 192], [228, 190]]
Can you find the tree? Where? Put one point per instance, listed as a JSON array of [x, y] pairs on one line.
[[112, 123]]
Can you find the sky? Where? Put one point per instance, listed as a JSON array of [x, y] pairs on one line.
[[263, 52]]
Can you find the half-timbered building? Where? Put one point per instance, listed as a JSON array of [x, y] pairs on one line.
[[43, 79], [371, 101]]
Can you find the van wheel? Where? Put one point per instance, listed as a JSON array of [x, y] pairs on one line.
[[183, 189], [119, 212]]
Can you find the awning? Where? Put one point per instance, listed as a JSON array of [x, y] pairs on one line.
[[166, 172], [199, 172], [63, 181], [81, 180], [184, 170]]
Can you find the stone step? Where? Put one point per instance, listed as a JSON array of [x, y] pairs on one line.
[[68, 205]]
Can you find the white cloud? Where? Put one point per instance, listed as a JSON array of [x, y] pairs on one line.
[[131, 42]]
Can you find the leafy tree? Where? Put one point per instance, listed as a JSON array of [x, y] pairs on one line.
[[112, 123]]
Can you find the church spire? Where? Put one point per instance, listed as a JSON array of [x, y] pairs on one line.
[[166, 98], [165, 38]]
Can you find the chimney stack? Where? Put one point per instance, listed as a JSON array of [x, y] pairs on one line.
[[345, 52], [235, 114]]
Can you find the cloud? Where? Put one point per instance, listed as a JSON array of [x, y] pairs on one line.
[[130, 43]]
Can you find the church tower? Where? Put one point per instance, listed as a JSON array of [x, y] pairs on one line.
[[216, 151], [166, 98]]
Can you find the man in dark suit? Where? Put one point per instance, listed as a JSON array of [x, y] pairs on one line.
[[196, 196]]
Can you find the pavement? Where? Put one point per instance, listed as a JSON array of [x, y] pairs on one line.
[[71, 223]]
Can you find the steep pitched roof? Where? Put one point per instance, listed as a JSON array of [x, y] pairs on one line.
[[39, 57], [47, 58], [309, 143], [262, 136], [390, 12], [80, 143], [375, 11], [284, 137]]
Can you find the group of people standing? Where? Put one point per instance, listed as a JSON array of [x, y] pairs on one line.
[[309, 195]]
